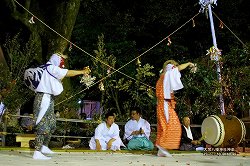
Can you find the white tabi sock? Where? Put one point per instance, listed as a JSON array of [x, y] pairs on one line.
[[46, 150], [39, 156], [163, 152]]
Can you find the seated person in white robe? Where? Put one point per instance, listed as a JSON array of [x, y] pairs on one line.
[[137, 132], [106, 135], [2, 108]]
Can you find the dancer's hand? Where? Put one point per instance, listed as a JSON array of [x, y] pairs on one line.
[[191, 64], [86, 70]]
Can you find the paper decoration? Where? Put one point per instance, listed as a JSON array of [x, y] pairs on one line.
[[205, 3], [169, 41], [138, 62], [70, 46], [88, 80], [221, 25], [193, 22], [108, 71], [101, 86], [215, 53], [31, 21]]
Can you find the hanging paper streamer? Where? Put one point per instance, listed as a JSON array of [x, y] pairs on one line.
[[193, 22], [88, 80], [101, 86], [70, 46], [205, 3], [32, 20], [108, 71], [169, 41], [215, 53], [138, 62], [221, 25]]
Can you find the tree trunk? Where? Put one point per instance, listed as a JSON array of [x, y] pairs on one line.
[[57, 22], [54, 22]]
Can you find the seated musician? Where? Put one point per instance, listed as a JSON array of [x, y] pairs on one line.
[[137, 132], [187, 140]]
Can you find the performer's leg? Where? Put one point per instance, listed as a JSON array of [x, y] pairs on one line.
[[39, 141], [47, 140], [51, 127], [45, 145], [40, 129]]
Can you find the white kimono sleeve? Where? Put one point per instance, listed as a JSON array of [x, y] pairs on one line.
[[128, 130], [171, 82], [99, 132], [147, 129], [116, 131]]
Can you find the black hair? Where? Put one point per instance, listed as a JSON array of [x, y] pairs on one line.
[[109, 114], [137, 109]]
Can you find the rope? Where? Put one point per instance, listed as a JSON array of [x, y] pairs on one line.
[[230, 30], [115, 70], [58, 119], [132, 61]]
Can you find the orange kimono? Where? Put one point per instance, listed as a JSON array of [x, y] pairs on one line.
[[168, 133]]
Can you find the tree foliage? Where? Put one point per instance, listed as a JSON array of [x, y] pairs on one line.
[[131, 28]]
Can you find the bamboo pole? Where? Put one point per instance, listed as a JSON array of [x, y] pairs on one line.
[[206, 5]]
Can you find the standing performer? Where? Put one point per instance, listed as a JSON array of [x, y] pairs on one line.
[[168, 123], [49, 87]]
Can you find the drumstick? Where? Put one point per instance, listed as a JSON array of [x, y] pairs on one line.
[[203, 136], [208, 131]]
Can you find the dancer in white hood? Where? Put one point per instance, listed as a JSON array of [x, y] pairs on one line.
[[49, 87]]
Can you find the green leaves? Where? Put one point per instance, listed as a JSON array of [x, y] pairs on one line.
[[12, 88]]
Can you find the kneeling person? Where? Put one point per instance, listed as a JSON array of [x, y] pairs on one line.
[[187, 141], [137, 132], [106, 135]]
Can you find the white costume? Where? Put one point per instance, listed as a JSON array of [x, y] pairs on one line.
[[2, 109], [133, 125], [172, 82], [51, 79], [104, 134], [189, 132], [50, 84]]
